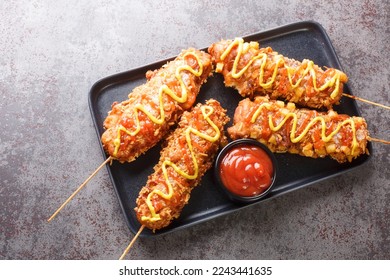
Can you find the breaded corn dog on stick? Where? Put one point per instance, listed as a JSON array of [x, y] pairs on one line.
[[188, 154], [137, 124], [261, 71], [284, 128], [140, 122]]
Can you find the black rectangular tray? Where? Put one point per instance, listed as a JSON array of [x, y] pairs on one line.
[[298, 40]]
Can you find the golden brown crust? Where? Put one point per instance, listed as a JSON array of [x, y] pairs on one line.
[[302, 92], [340, 147], [178, 152], [123, 115]]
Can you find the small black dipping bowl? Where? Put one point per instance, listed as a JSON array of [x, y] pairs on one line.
[[223, 153]]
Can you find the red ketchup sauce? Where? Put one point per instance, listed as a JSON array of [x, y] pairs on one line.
[[246, 170]]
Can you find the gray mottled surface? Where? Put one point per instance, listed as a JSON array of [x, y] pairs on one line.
[[51, 52]]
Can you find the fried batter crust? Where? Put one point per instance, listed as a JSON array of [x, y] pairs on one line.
[[178, 152], [123, 114], [339, 147], [303, 92]]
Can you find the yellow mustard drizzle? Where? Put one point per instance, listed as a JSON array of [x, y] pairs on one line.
[[296, 139], [206, 112], [309, 67], [163, 89]]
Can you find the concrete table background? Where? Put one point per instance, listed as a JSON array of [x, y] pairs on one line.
[[51, 53]]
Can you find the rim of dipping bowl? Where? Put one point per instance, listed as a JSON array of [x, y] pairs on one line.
[[222, 154]]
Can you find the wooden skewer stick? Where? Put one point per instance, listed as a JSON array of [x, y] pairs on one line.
[[367, 101], [131, 243], [79, 188], [378, 140], [126, 251]]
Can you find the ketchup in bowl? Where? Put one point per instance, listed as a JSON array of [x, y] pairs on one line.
[[246, 169]]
